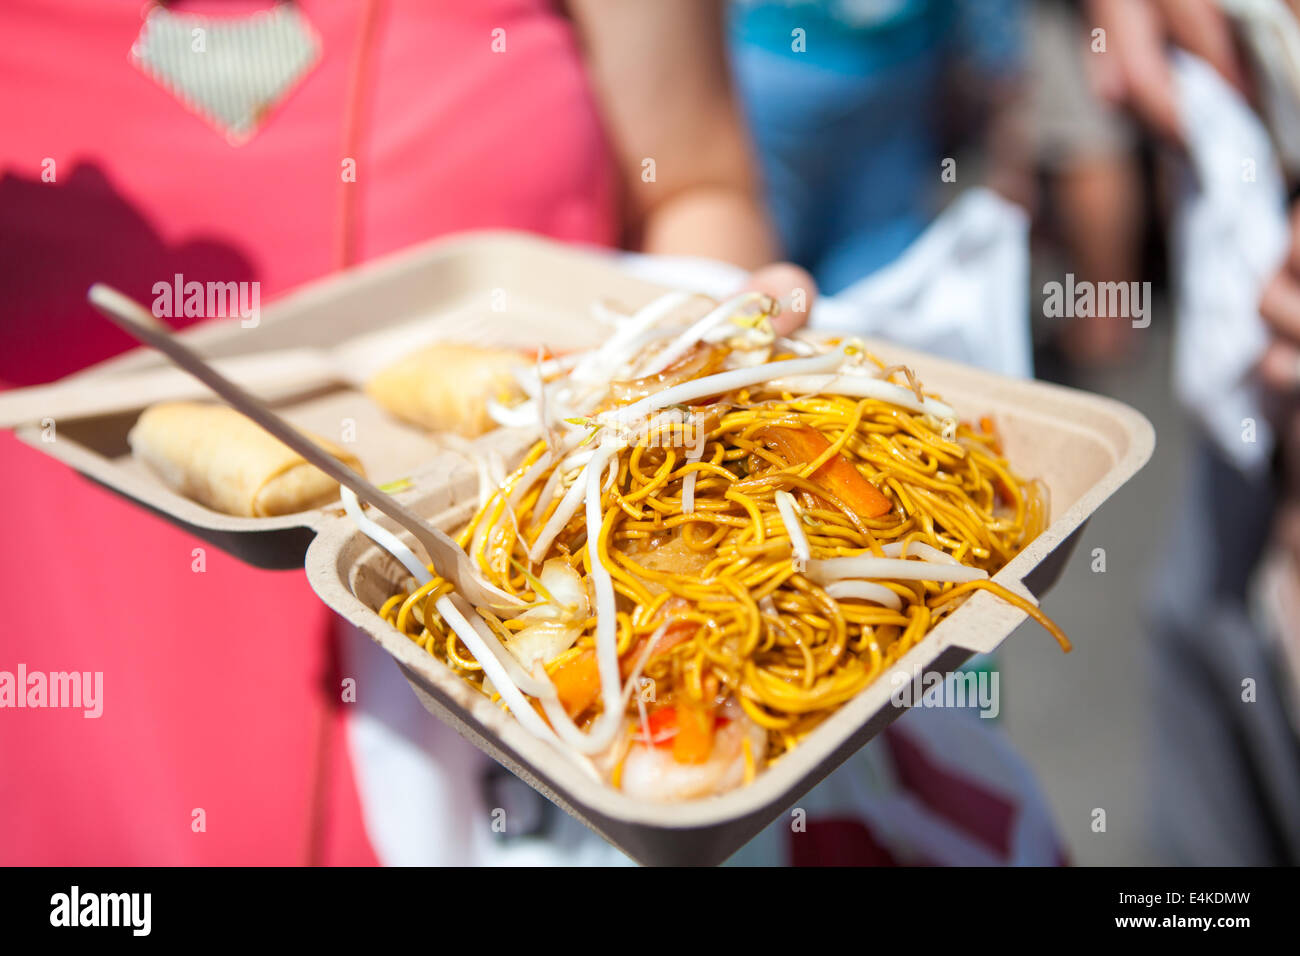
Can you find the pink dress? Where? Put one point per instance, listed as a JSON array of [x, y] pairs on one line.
[[220, 688]]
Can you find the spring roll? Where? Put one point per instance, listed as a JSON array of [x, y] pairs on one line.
[[446, 387], [217, 457]]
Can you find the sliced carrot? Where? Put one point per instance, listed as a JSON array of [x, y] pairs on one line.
[[662, 726], [577, 682], [694, 740], [799, 445], [990, 429]]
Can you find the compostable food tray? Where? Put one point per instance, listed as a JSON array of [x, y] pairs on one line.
[[503, 288]]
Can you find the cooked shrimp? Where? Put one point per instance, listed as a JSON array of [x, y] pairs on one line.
[[655, 771]]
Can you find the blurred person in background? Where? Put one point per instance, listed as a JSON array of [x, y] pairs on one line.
[[1225, 625], [852, 105], [1086, 151]]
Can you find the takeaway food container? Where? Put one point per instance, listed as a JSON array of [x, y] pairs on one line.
[[503, 288]]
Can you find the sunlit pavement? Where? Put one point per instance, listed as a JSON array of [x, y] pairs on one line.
[[1081, 719]]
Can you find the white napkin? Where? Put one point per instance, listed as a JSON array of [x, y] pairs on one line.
[[1272, 34], [1230, 236], [960, 290]]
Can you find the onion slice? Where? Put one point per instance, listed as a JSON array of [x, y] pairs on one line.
[[512, 416], [861, 386], [794, 528], [688, 490], [565, 510], [919, 549], [725, 382], [496, 672], [618, 348], [606, 611], [613, 701], [864, 591], [679, 347], [869, 567]]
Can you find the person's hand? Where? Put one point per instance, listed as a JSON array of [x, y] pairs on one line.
[[790, 285], [1279, 373], [1279, 307], [1134, 70]]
